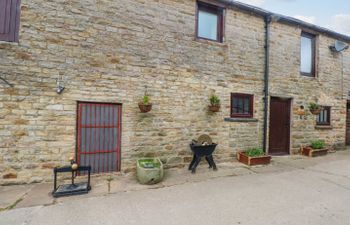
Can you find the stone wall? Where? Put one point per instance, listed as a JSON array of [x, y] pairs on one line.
[[326, 88], [109, 51]]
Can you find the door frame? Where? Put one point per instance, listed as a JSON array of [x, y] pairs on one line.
[[290, 104], [346, 123]]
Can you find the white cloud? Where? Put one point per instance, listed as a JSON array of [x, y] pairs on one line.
[[253, 2], [308, 19], [341, 23]]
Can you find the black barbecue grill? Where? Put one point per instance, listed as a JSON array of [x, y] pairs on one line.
[[203, 147]]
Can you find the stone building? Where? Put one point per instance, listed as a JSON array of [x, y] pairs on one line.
[[108, 53]]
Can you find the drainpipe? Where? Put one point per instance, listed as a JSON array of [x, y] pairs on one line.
[[267, 20]]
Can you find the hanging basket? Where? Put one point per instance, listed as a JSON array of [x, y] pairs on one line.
[[316, 111], [214, 108], [145, 108]]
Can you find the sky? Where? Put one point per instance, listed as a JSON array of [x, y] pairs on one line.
[[331, 14]]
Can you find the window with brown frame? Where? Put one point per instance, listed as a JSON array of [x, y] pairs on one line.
[[324, 118], [241, 105], [9, 20], [210, 22], [307, 54]]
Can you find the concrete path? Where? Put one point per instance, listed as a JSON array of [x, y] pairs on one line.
[[293, 190]]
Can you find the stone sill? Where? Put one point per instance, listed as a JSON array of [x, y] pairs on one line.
[[210, 42], [9, 43], [241, 120], [324, 127]]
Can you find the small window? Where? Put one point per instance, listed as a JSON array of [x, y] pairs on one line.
[[324, 118], [241, 105], [210, 22], [307, 54], [9, 20]]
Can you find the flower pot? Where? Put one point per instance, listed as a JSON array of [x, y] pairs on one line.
[[308, 151], [145, 108], [252, 161], [316, 111], [214, 108], [149, 170]]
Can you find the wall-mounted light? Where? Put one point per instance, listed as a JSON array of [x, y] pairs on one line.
[[60, 85]]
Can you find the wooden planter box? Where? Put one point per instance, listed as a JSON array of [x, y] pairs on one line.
[[252, 161], [308, 151]]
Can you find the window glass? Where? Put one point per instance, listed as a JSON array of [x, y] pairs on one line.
[[241, 105], [306, 55], [207, 25], [324, 117]]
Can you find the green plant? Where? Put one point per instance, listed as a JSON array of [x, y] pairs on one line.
[[146, 100], [314, 106], [149, 163], [214, 100], [318, 144], [255, 152]]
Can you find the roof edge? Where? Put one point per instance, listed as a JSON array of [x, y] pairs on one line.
[[284, 19]]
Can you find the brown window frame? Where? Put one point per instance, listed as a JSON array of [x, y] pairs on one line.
[[251, 105], [312, 37], [219, 11], [328, 122], [12, 19]]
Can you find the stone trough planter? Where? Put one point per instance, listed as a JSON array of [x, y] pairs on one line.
[[149, 170], [252, 161], [308, 151]]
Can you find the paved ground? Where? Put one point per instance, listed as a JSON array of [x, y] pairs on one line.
[[293, 190]]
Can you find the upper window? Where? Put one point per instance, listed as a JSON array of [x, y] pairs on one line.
[[324, 118], [210, 23], [307, 54], [241, 105], [9, 20]]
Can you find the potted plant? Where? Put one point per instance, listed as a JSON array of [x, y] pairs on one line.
[[145, 105], [149, 170], [315, 108], [317, 148], [253, 156], [214, 103]]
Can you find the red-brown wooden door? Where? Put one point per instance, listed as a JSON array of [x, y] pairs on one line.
[[348, 124], [279, 131], [99, 136]]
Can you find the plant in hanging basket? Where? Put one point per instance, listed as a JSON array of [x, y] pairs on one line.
[[145, 105], [317, 148], [254, 156], [315, 108], [214, 103]]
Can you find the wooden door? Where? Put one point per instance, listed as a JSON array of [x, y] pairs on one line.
[[279, 134], [348, 124]]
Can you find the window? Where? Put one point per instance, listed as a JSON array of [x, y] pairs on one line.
[[307, 54], [210, 22], [9, 20], [324, 118], [241, 105]]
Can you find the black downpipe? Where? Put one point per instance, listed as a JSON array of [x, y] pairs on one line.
[[267, 20]]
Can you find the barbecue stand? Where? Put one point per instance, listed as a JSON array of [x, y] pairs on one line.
[[73, 188], [199, 151]]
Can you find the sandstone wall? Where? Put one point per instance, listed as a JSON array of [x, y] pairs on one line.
[[109, 51]]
